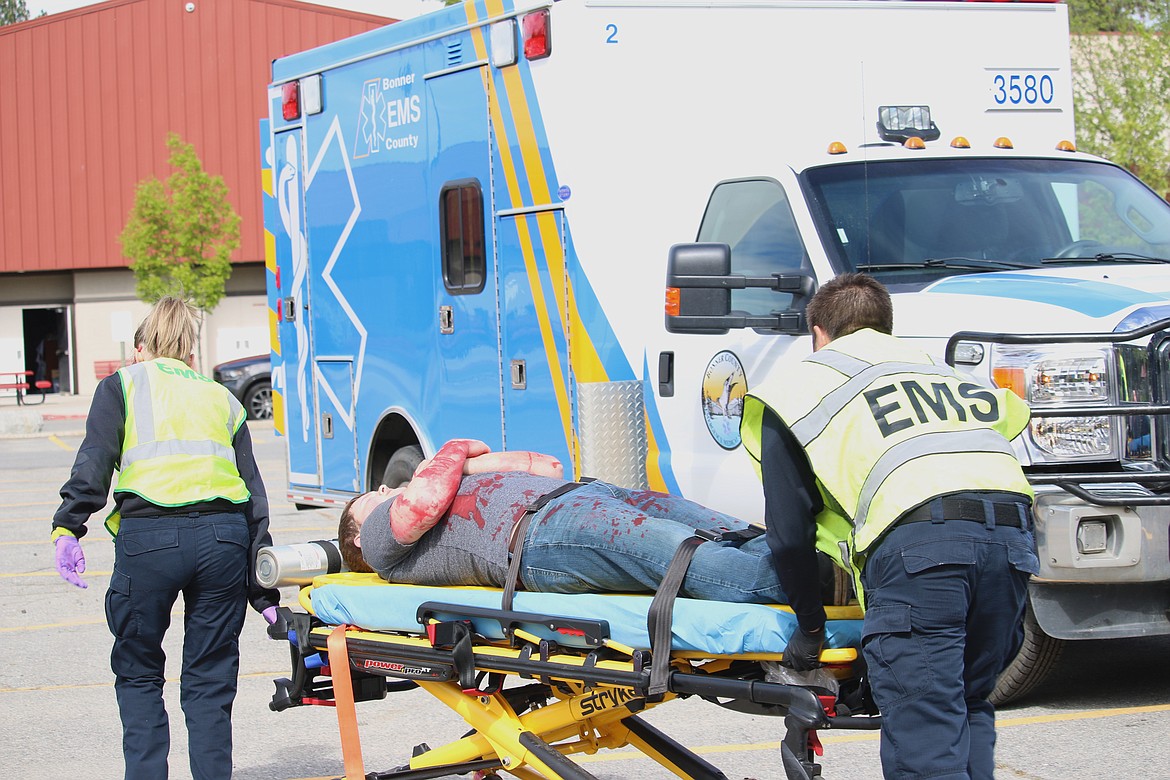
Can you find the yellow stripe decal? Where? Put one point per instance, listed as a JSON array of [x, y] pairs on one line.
[[560, 387], [274, 331], [269, 252], [585, 362], [654, 476], [278, 411], [587, 366]]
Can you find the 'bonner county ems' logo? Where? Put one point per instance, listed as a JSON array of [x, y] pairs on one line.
[[724, 387]]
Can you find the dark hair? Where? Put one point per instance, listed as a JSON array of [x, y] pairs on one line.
[[347, 531], [849, 303]]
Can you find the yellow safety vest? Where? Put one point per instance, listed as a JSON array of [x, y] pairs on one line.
[[887, 429], [177, 446]]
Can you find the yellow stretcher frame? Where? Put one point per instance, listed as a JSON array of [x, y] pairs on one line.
[[593, 701]]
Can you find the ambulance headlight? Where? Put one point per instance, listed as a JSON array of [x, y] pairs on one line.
[[1055, 377]]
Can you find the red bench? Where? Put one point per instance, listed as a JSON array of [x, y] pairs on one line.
[[20, 387], [103, 368]]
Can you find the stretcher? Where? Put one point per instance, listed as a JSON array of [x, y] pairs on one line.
[[557, 675]]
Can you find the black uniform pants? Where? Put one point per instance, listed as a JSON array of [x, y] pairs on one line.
[[204, 557]]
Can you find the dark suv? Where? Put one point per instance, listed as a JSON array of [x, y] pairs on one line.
[[250, 380]]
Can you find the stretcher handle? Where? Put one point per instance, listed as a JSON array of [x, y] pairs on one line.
[[571, 632]]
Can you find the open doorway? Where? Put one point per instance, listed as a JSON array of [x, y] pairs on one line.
[[47, 348]]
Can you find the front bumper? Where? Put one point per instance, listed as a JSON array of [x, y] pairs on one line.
[[1120, 591]]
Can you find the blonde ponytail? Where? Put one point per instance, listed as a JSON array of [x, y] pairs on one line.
[[171, 328]]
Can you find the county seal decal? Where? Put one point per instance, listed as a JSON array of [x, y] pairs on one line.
[[724, 386]]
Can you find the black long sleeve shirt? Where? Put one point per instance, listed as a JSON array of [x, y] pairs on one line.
[[100, 454], [791, 504]]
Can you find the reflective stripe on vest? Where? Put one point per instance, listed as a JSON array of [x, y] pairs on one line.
[[890, 463], [177, 446], [862, 375]]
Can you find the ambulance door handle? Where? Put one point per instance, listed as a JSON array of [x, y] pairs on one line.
[[519, 375], [446, 319], [666, 374], [290, 309], [326, 425]]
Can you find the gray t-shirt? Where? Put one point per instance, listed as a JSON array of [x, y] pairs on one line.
[[469, 546]]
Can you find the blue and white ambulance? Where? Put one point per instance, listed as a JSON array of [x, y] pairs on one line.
[[470, 217]]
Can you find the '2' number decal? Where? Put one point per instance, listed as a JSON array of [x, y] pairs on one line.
[[612, 30]]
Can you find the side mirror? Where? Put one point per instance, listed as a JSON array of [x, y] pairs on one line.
[[696, 276], [698, 293]]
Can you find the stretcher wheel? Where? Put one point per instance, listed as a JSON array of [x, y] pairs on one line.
[[1038, 654]]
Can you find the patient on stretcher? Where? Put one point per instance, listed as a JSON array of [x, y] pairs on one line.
[[458, 521]]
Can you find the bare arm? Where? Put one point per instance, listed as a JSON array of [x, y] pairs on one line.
[[426, 499], [529, 462]]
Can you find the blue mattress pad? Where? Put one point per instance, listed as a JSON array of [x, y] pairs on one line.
[[717, 628]]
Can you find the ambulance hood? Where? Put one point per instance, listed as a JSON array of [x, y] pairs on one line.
[[1093, 298]]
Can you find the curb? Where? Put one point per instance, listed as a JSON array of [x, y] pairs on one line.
[[39, 435]]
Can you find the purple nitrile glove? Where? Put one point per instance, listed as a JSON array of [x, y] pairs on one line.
[[70, 561], [270, 615]]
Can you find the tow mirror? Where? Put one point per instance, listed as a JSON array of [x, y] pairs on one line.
[[698, 293]]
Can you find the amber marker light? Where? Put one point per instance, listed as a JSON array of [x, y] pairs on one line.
[[672, 297], [1066, 146], [837, 148], [959, 142], [1011, 379], [1003, 142], [914, 142]]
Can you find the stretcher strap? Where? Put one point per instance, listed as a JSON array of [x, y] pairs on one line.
[[521, 533], [661, 613], [351, 744]]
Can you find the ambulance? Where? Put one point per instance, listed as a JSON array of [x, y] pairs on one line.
[[475, 218]]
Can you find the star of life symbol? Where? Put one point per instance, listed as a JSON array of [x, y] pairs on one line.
[[371, 126]]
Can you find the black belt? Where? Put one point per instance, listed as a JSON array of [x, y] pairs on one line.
[[520, 531], [1010, 513]]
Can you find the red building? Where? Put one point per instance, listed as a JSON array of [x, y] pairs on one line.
[[87, 98]]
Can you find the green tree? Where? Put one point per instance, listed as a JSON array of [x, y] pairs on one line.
[[1088, 16], [13, 11], [180, 236], [1121, 92]]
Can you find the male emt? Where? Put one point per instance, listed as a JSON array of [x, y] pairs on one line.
[[918, 493]]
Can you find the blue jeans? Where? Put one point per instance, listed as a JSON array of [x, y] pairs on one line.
[[603, 538], [944, 616], [205, 557]]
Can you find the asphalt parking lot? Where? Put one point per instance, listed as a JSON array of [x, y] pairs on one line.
[[1105, 712]]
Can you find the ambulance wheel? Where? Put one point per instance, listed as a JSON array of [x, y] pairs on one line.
[[402, 465], [1038, 654]]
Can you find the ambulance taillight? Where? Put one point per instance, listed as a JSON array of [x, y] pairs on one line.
[[290, 100], [534, 28], [301, 96]]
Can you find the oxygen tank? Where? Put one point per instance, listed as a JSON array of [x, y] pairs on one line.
[[297, 564]]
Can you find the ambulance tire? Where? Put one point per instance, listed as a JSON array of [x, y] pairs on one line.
[[1037, 656], [402, 465]]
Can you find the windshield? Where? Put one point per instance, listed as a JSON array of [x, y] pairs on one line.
[[908, 221]]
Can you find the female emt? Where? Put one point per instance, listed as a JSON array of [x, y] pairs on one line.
[[190, 513]]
